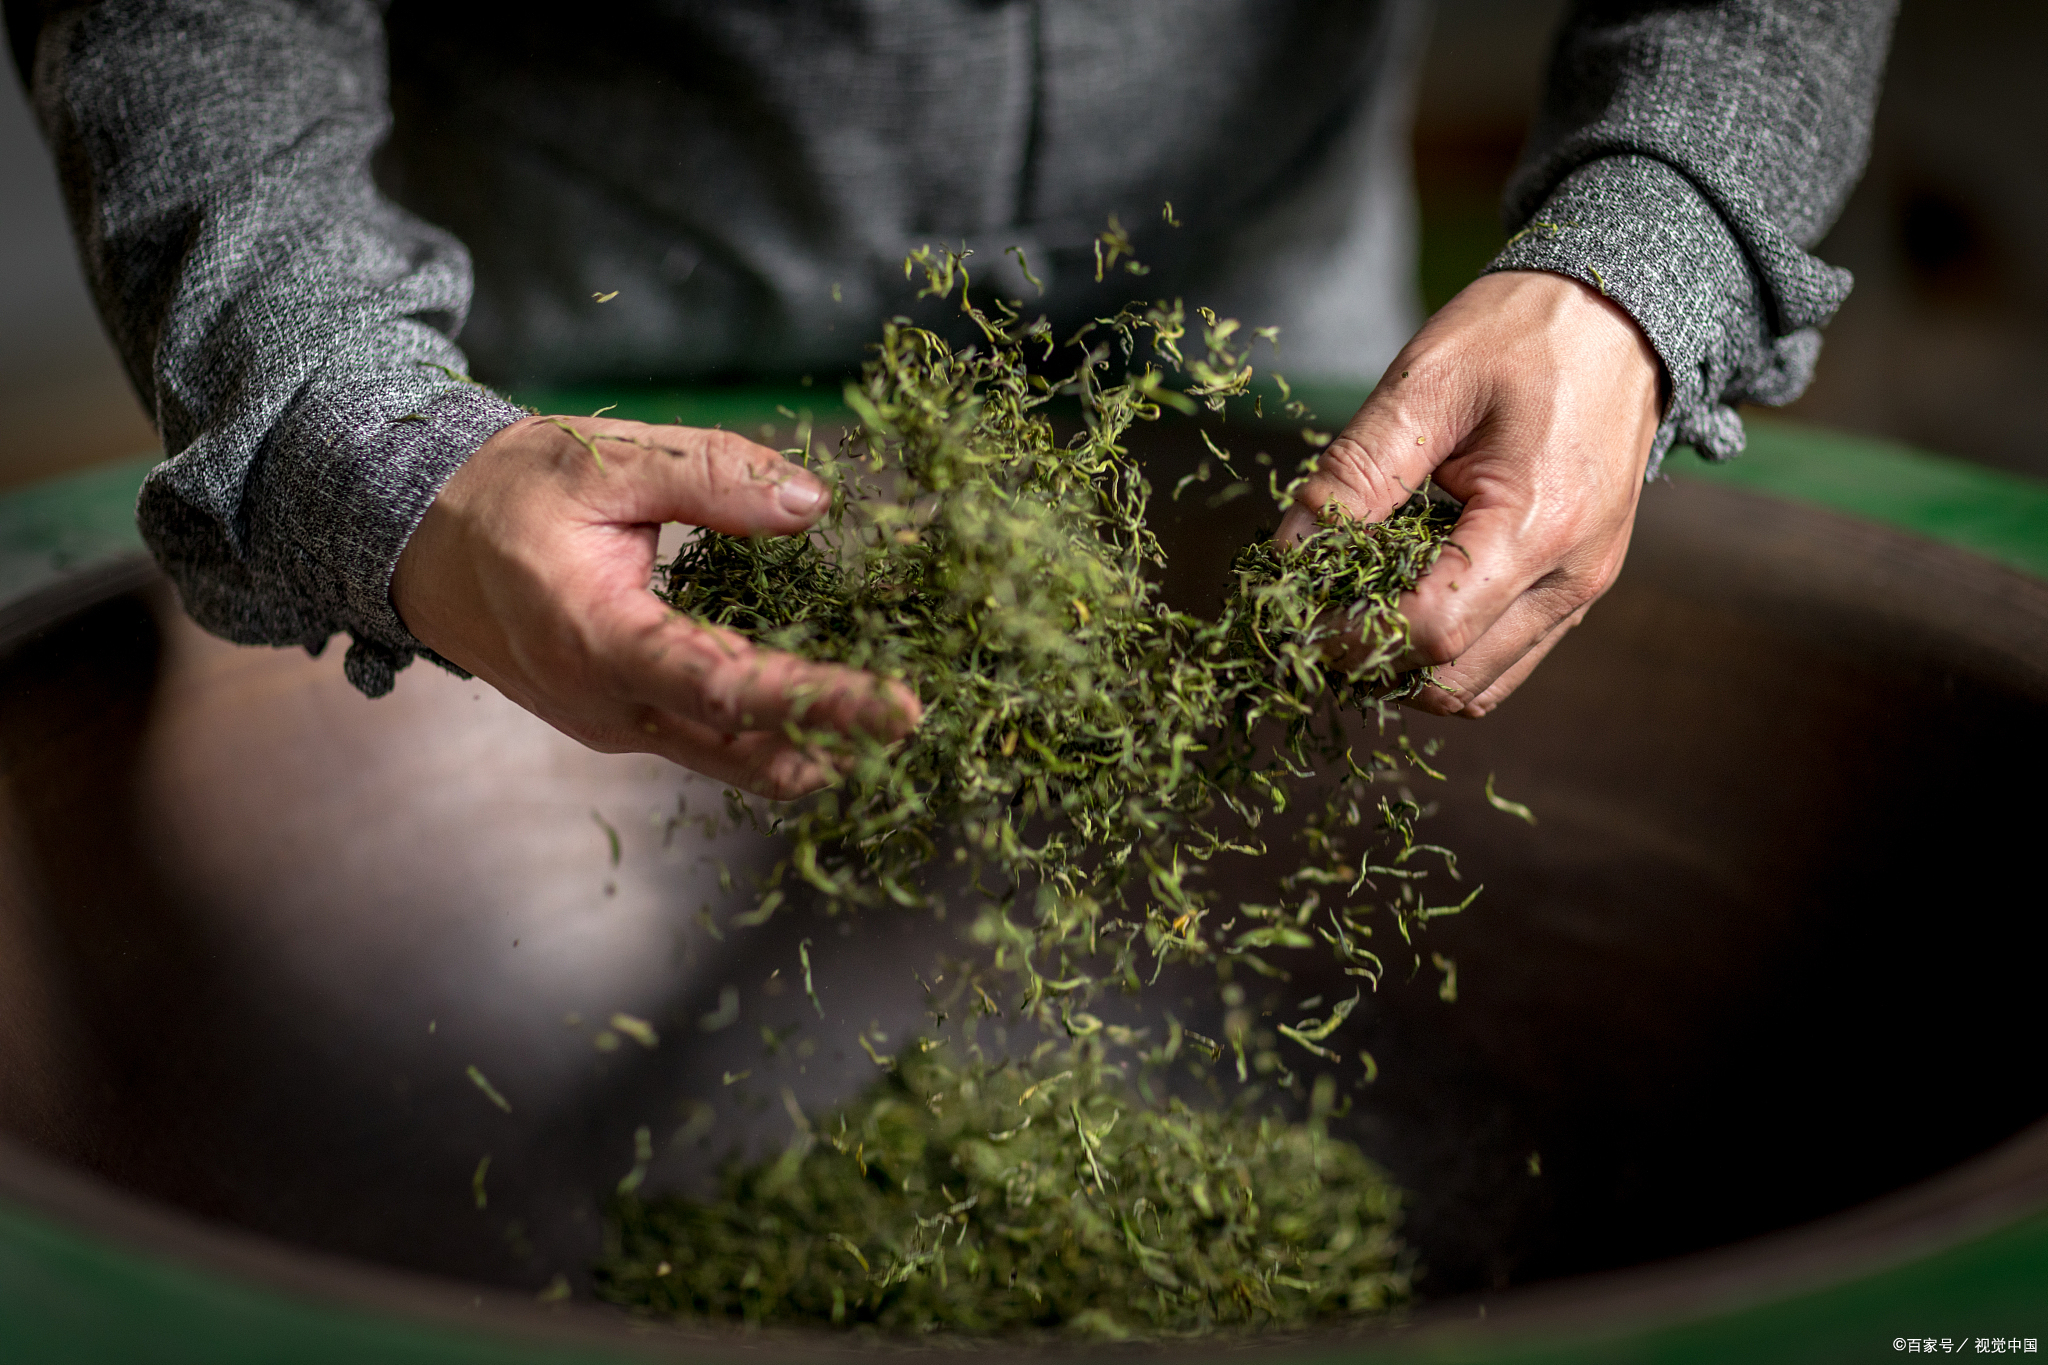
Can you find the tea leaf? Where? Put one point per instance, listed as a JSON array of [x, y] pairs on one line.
[[639, 1030], [478, 1079], [1501, 803]]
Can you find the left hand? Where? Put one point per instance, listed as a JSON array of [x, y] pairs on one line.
[[531, 569], [1533, 399]]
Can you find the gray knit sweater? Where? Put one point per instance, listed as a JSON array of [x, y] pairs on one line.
[[288, 210]]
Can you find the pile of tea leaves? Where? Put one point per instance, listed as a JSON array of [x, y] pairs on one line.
[[1086, 758], [983, 1199]]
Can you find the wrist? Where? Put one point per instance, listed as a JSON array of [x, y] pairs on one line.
[[1587, 324]]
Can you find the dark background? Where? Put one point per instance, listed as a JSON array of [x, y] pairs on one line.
[[1943, 345]]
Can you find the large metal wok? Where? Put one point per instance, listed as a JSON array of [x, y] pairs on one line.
[[1772, 954]]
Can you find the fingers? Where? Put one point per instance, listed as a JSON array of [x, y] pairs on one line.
[[1384, 455], [1499, 662], [765, 764], [1498, 690], [1477, 578], [696, 476], [718, 679], [1499, 598], [709, 688], [717, 704]]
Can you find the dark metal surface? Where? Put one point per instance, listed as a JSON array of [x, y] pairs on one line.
[[1768, 955]]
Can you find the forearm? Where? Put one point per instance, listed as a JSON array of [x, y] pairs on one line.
[[1686, 159], [288, 328]]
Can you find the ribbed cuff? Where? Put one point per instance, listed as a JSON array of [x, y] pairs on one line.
[[362, 463]]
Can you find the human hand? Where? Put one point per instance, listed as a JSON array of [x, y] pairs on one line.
[[1533, 400], [531, 570]]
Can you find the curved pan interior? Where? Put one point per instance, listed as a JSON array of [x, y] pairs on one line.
[[1768, 955]]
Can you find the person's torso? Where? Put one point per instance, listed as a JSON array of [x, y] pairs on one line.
[[748, 176]]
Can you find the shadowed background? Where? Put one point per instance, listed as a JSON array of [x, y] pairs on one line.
[[1946, 333]]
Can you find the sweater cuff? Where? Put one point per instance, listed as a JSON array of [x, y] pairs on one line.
[[363, 463], [1640, 233]]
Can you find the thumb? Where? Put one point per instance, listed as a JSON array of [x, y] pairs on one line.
[[700, 477], [1384, 454]]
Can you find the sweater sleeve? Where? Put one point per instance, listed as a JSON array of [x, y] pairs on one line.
[[1686, 159], [289, 329]]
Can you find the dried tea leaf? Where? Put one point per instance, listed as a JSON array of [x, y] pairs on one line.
[[478, 1079], [1501, 803]]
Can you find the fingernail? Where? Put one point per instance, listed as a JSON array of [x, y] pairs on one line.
[[800, 494], [1297, 523]]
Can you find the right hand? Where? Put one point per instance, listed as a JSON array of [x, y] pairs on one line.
[[531, 570], [1533, 399]]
